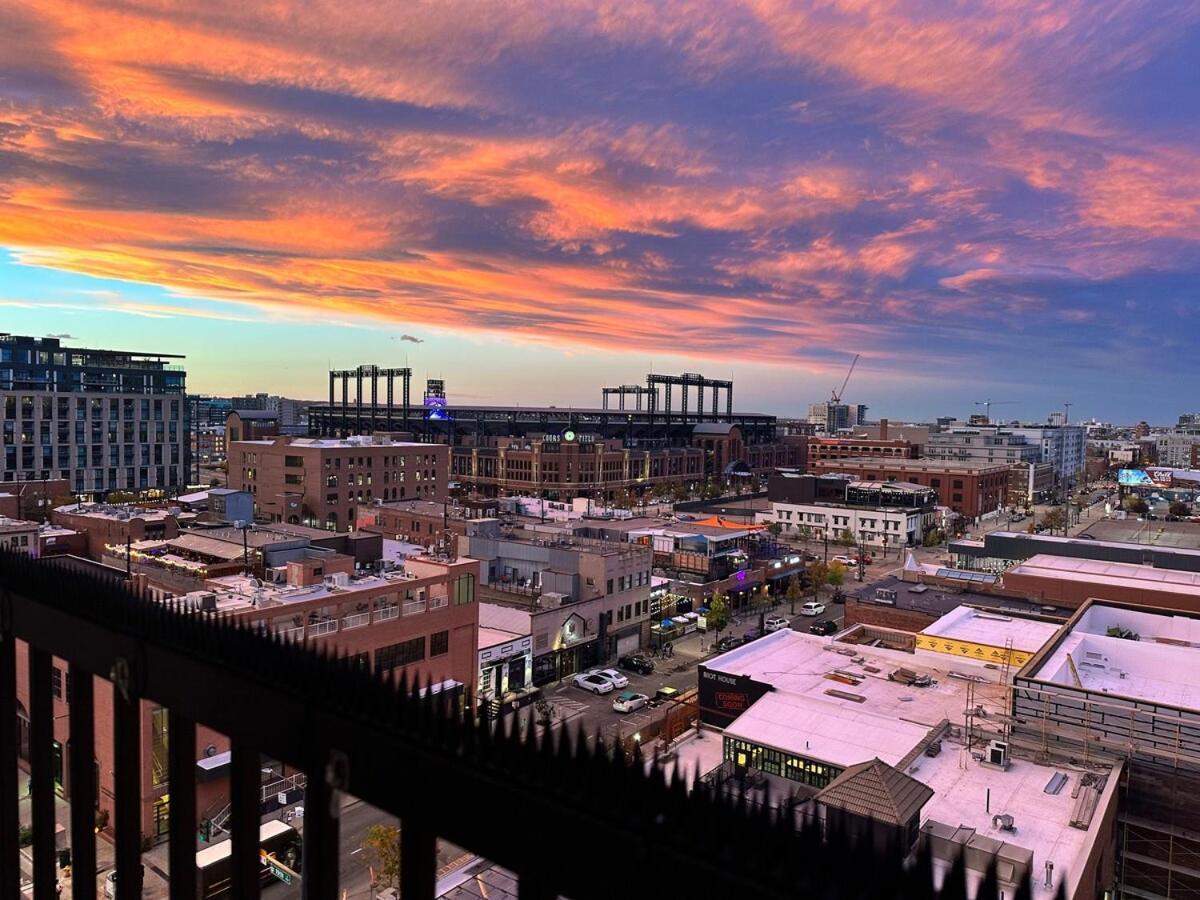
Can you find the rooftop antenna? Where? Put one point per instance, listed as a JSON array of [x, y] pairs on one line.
[[1067, 416]]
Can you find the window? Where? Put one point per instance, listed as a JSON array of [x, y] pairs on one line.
[[610, 586], [400, 654], [56, 682], [464, 590], [439, 643], [958, 484]]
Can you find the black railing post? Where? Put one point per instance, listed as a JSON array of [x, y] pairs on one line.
[[181, 777], [418, 861], [82, 752], [127, 781], [322, 809], [41, 772], [10, 854], [245, 786]]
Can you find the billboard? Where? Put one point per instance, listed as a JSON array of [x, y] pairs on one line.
[[1133, 478], [724, 697]]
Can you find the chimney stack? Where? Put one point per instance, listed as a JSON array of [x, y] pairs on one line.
[[883, 429]]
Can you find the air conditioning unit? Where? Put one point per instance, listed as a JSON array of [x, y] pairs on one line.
[[997, 754], [208, 603]]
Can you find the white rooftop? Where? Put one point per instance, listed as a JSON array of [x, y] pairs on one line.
[[839, 735], [1160, 667], [961, 787], [1114, 574], [122, 513], [964, 623], [505, 618], [797, 663]]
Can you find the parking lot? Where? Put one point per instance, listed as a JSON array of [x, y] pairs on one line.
[[575, 707]]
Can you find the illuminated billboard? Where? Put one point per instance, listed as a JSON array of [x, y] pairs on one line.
[[1133, 478]]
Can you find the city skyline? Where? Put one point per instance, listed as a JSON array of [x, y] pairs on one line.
[[533, 203]]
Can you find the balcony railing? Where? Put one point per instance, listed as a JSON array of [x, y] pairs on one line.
[[355, 620], [422, 759], [383, 613]]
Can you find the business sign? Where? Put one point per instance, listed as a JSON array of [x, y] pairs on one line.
[[971, 650], [724, 697]]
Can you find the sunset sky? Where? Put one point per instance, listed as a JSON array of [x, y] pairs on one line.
[[983, 199]]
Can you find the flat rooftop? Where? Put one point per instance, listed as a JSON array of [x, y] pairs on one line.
[[841, 735], [935, 600], [995, 629], [262, 535], [968, 794], [797, 663], [239, 592], [900, 464], [122, 513], [1111, 574], [1161, 666], [9, 525]]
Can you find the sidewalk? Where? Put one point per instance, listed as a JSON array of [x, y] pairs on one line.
[[155, 884]]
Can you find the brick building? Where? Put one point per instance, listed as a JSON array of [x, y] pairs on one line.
[[325, 482], [105, 525], [854, 447], [423, 622], [967, 488]]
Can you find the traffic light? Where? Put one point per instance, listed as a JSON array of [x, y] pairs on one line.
[[205, 830]]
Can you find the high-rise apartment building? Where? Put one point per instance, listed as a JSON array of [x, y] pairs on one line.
[[101, 420]]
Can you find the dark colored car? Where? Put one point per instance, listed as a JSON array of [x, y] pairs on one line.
[[752, 635], [824, 627], [727, 643], [636, 662]]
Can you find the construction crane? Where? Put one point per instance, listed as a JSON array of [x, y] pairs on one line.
[[988, 404], [836, 396]]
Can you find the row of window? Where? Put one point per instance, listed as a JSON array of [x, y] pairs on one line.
[[411, 651], [628, 582], [45, 407], [43, 433], [743, 754]]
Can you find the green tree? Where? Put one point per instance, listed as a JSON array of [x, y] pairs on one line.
[[1136, 505], [1179, 508], [1055, 519], [805, 535], [818, 575], [846, 538], [836, 576], [382, 846], [794, 592], [718, 613]]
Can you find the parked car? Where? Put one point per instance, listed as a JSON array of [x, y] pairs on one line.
[[727, 643], [636, 662], [776, 623], [629, 701], [666, 693], [590, 681], [824, 627], [752, 634], [844, 560], [618, 680], [812, 608]]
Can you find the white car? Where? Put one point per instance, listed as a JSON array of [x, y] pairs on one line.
[[847, 561], [590, 681], [776, 623], [618, 679], [629, 701], [812, 608]]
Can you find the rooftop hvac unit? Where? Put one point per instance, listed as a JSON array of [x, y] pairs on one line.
[[997, 754], [208, 603], [1004, 822]]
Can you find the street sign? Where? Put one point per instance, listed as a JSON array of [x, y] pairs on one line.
[[285, 877], [276, 868]]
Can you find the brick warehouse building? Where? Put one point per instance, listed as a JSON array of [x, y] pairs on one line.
[[969, 489], [423, 621], [323, 483]]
